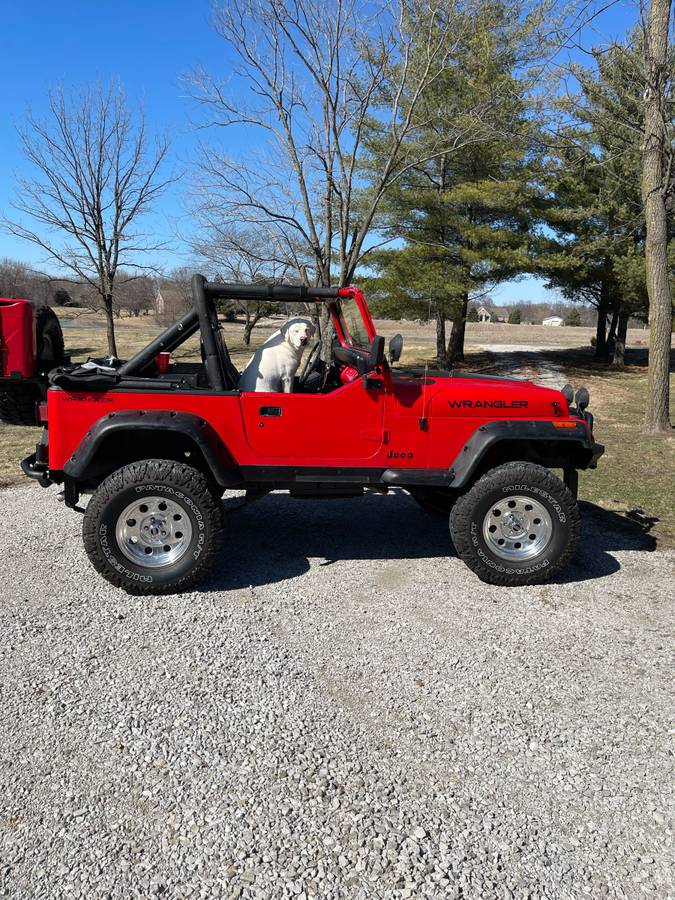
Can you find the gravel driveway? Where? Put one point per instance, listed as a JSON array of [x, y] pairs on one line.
[[343, 711]]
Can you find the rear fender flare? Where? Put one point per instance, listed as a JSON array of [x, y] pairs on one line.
[[196, 429]]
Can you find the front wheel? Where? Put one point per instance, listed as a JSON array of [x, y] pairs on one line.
[[518, 524], [153, 527]]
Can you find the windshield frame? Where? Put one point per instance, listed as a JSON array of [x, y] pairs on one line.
[[342, 325]]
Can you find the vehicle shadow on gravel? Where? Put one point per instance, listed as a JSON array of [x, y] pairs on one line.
[[604, 532], [273, 539]]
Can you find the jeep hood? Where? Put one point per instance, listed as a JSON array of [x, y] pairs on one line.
[[484, 396]]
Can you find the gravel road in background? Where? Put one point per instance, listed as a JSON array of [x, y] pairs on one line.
[[344, 711]]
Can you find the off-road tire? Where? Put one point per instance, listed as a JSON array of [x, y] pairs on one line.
[[436, 501], [49, 343], [157, 478], [523, 479]]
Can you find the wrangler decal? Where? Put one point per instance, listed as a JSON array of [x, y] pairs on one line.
[[488, 404]]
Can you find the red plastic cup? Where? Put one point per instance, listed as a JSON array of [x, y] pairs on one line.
[[163, 363]]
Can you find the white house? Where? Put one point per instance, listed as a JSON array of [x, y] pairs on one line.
[[484, 315], [552, 320]]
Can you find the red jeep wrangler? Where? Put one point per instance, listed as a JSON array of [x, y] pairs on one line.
[[157, 443]]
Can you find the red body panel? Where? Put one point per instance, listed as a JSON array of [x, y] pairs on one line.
[[354, 425], [17, 338]]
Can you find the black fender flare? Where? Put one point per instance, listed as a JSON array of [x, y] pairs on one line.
[[575, 440], [486, 436], [198, 430]]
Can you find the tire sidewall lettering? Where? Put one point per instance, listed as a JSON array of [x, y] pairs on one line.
[[466, 524], [113, 561], [108, 543], [544, 495]]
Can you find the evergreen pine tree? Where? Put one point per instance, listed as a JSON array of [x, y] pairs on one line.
[[464, 218]]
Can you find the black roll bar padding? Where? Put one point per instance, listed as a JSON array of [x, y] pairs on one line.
[[208, 324], [166, 342], [289, 292]]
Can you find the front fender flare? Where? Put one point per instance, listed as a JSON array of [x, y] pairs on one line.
[[486, 436], [195, 428]]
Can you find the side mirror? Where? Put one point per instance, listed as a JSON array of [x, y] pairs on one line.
[[376, 352], [395, 348]]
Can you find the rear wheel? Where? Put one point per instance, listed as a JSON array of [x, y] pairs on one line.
[[518, 524], [153, 527]]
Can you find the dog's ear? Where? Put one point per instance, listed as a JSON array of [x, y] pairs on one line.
[[283, 331]]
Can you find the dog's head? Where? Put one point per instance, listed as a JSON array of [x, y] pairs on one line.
[[298, 332]]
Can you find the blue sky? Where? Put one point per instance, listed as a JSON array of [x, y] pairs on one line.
[[147, 45]]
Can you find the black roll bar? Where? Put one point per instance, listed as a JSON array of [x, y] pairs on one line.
[[288, 292], [203, 317], [208, 324], [166, 342]]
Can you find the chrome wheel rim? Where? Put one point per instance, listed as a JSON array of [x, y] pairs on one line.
[[517, 528], [154, 531]]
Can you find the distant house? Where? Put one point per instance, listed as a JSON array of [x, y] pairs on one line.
[[552, 321], [496, 314], [171, 301]]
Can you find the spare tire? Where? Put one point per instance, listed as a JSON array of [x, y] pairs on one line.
[[50, 346], [18, 399]]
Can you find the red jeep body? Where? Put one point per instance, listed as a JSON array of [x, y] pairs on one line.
[[386, 419], [364, 425]]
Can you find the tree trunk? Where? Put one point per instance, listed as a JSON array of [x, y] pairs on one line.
[[456, 343], [110, 324], [440, 339], [326, 333], [611, 334], [601, 351], [657, 414], [618, 359]]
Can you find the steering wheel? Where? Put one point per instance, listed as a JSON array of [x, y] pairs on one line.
[[310, 363]]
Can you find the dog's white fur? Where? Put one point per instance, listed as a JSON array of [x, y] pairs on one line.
[[273, 366]]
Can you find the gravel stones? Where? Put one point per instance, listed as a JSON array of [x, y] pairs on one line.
[[343, 711]]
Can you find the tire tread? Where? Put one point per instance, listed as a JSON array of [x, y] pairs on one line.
[[160, 470], [460, 520]]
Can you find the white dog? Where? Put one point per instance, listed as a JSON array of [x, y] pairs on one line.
[[273, 366]]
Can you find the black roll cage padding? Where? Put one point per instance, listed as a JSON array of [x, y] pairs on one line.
[[289, 292], [211, 339], [220, 371], [166, 342]]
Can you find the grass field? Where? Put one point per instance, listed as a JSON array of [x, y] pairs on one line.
[[636, 477]]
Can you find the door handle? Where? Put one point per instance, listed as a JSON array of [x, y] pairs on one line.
[[270, 411]]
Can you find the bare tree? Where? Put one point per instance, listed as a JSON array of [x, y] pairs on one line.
[[318, 73], [241, 256], [135, 294], [658, 154], [19, 280], [95, 176]]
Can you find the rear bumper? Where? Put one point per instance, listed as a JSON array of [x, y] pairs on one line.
[[35, 470]]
